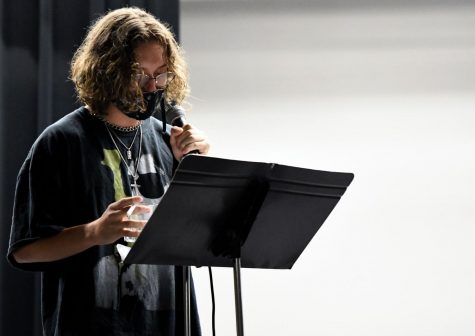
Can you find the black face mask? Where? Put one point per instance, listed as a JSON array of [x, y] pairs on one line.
[[152, 104]]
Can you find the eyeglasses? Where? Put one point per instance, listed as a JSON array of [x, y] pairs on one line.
[[161, 80]]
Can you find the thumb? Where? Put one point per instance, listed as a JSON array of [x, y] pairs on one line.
[[175, 131]]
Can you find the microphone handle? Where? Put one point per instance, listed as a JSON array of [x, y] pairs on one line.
[[180, 122]]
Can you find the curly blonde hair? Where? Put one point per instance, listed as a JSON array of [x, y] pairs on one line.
[[103, 67]]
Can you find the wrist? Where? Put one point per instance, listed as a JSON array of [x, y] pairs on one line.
[[90, 235]]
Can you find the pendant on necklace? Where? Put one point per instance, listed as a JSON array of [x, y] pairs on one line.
[[135, 185], [129, 154]]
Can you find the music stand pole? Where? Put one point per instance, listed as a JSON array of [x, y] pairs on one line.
[[238, 296], [187, 298]]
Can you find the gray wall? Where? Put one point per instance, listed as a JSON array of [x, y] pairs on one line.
[[383, 89]]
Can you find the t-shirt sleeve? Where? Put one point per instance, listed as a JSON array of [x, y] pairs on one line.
[[37, 210]]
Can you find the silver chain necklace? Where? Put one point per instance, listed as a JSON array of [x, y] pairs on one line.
[[117, 127], [134, 173], [121, 128], [129, 148]]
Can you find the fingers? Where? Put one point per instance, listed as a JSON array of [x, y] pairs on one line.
[[138, 209], [201, 146], [125, 203], [115, 223], [175, 132], [132, 228], [187, 139], [129, 224], [133, 224], [121, 210], [187, 136]]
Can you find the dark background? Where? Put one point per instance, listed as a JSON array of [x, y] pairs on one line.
[[38, 39]]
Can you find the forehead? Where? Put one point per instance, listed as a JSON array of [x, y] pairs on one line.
[[150, 55]]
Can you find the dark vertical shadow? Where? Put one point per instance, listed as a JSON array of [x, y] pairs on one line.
[[38, 39]]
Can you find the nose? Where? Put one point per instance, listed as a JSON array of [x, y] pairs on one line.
[[151, 86]]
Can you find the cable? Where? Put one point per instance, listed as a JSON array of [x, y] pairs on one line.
[[212, 300]]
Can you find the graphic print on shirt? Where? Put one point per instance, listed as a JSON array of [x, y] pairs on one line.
[[112, 160], [106, 277], [153, 183], [146, 164], [147, 171], [136, 281]]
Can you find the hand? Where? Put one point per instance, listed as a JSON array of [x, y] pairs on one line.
[[187, 139], [114, 222]]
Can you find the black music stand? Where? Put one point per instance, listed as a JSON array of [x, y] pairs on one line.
[[231, 213]]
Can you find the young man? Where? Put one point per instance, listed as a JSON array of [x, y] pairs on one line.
[[84, 173]]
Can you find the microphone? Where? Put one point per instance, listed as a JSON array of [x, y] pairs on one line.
[[175, 116]]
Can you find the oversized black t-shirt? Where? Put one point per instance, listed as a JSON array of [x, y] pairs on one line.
[[71, 174]]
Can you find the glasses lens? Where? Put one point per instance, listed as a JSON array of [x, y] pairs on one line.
[[142, 80], [163, 79]]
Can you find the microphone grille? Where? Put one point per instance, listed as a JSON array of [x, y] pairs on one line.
[[174, 113]]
